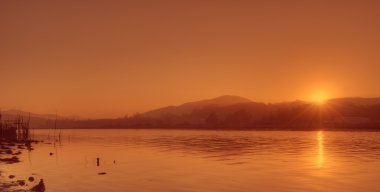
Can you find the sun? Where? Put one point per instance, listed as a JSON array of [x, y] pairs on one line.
[[320, 97]]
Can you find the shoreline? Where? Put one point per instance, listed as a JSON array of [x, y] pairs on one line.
[[10, 151], [222, 129]]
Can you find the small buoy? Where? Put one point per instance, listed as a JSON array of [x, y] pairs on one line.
[[50, 153]]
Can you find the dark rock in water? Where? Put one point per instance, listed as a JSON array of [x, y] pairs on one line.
[[13, 159], [40, 187], [21, 182], [51, 153], [31, 179], [11, 176], [4, 147], [102, 173]]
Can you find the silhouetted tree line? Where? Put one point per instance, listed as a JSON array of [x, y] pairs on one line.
[[289, 116]]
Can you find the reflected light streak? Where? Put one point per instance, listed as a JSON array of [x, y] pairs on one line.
[[320, 155]]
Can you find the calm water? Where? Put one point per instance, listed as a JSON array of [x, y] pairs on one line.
[[182, 160]]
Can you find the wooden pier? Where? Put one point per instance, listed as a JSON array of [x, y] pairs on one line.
[[15, 129]]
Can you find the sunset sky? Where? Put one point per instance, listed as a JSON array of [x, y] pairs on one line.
[[111, 58]]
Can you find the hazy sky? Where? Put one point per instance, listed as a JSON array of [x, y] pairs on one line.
[[110, 58]]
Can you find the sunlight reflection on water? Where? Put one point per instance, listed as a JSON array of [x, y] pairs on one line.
[[321, 155]]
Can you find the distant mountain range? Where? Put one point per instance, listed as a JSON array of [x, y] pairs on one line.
[[229, 104], [222, 101], [234, 112], [356, 101], [12, 113], [36, 120]]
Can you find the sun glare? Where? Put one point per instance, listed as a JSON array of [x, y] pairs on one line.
[[319, 97]]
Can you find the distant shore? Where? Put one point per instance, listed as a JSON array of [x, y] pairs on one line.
[[226, 129]]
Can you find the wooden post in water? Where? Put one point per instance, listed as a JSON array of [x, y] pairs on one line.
[[55, 125], [18, 126], [28, 126]]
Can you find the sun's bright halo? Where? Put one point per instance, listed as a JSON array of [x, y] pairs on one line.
[[320, 97]]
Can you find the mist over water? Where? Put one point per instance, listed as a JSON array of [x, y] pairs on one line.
[[189, 160]]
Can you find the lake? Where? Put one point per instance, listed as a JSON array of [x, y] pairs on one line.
[[192, 160]]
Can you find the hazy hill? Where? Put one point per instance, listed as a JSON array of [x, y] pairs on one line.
[[36, 120], [359, 101], [222, 106], [221, 101], [14, 113]]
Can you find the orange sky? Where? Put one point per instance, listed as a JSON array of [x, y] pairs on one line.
[[110, 58]]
